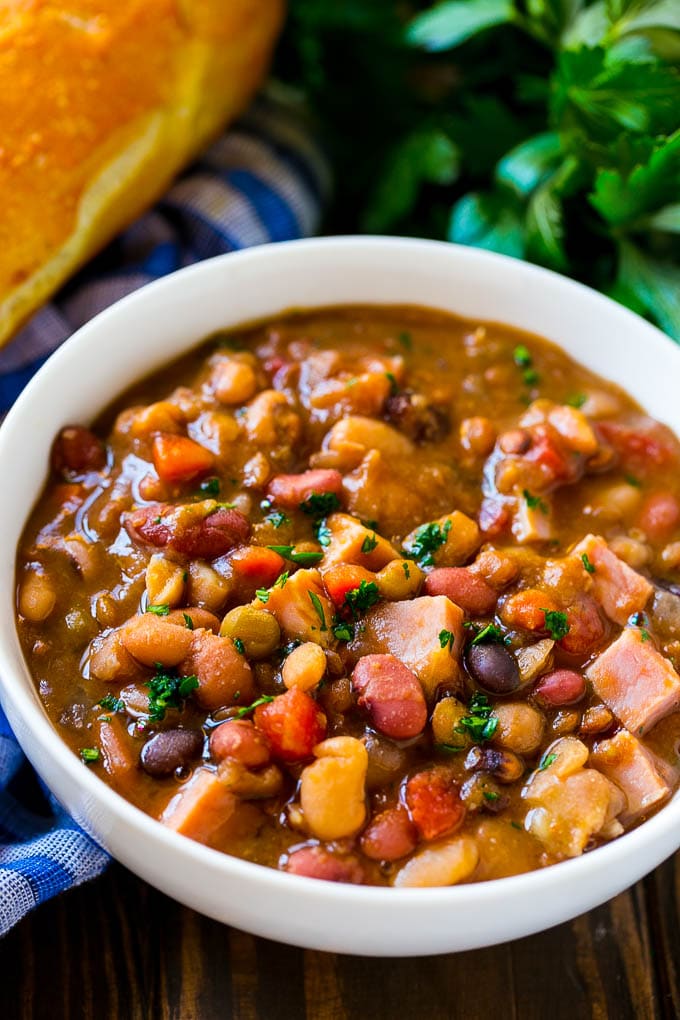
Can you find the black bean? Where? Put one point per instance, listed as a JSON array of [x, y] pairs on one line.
[[170, 750], [493, 668]]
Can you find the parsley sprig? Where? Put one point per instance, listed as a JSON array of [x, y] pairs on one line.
[[167, 690], [479, 724]]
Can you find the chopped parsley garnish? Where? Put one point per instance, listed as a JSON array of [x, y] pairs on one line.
[[407, 570], [320, 504], [428, 538], [394, 386], [531, 376], [362, 598], [632, 480], [161, 610], [316, 602], [369, 523], [478, 724], [522, 356], [644, 634], [587, 563], [239, 646], [89, 754], [517, 826], [188, 622], [450, 748], [210, 487], [168, 691], [446, 639], [369, 543], [303, 559], [490, 795], [323, 534], [406, 340], [343, 631], [111, 703], [556, 623], [262, 594], [491, 634], [577, 400], [277, 518], [265, 699], [546, 761], [280, 581], [535, 502]]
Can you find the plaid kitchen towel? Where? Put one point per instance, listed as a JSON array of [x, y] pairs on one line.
[[262, 181]]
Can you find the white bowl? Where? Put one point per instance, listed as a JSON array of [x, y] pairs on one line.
[[161, 321]]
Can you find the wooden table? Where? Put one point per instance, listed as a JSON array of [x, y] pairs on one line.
[[118, 949]]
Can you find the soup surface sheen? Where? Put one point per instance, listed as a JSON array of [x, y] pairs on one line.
[[367, 594]]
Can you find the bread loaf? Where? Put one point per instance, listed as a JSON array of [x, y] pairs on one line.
[[101, 103]]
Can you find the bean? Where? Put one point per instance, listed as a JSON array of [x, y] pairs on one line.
[[170, 750], [200, 619], [389, 836], [399, 579], [305, 667], [561, 687], [150, 639], [256, 628], [515, 441], [206, 588], [520, 727], [77, 449], [493, 668], [315, 862], [292, 490], [221, 670], [596, 719], [164, 581], [201, 530], [241, 740], [385, 760], [506, 766], [466, 589], [234, 382], [37, 597], [110, 661], [660, 516], [446, 723], [446, 864], [477, 435], [392, 696], [332, 789]]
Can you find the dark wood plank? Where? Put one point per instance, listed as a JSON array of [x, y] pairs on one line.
[[117, 948]]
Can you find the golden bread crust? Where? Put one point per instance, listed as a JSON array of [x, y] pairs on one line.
[[101, 104]]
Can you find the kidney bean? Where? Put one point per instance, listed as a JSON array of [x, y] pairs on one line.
[[292, 490], [389, 836], [315, 862], [392, 695], [561, 687], [241, 740], [198, 530], [660, 515], [493, 668], [170, 750], [77, 449], [467, 590], [434, 803]]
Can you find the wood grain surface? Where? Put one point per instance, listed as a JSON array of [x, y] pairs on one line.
[[117, 948]]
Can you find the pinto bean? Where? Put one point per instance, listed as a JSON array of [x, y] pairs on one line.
[[198, 530], [110, 661], [315, 862], [149, 639], [493, 668], [392, 695], [520, 727], [201, 619], [170, 750], [292, 490], [466, 589], [389, 836], [444, 864], [77, 449], [241, 740], [561, 687], [221, 670], [37, 597]]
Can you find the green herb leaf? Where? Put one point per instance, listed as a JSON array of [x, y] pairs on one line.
[[161, 610], [490, 221], [522, 356], [446, 639], [535, 502], [263, 595], [302, 559], [280, 581], [577, 400], [316, 602], [188, 622], [491, 634], [323, 534], [167, 690], [111, 703], [450, 748], [320, 504], [478, 724], [362, 598], [277, 518], [587, 563], [89, 754], [556, 623], [369, 543], [451, 23], [343, 631], [428, 538], [264, 699], [210, 487], [546, 761], [239, 646]]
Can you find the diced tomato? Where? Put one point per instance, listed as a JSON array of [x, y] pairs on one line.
[[257, 564], [546, 450], [293, 724], [651, 444], [180, 459], [660, 515], [526, 609], [344, 578], [434, 803]]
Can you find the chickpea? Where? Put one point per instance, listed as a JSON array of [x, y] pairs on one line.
[[520, 727], [206, 588], [399, 579], [670, 555], [164, 581], [477, 435], [332, 789], [37, 597], [256, 628], [234, 382], [445, 723], [305, 667], [635, 553], [442, 864]]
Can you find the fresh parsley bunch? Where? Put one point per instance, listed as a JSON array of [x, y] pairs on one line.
[[544, 129]]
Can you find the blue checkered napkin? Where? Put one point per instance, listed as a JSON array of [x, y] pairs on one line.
[[262, 181]]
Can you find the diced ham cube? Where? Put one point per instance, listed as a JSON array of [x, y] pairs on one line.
[[411, 631], [201, 807], [532, 523], [639, 773], [635, 681], [351, 542], [620, 590], [301, 607]]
